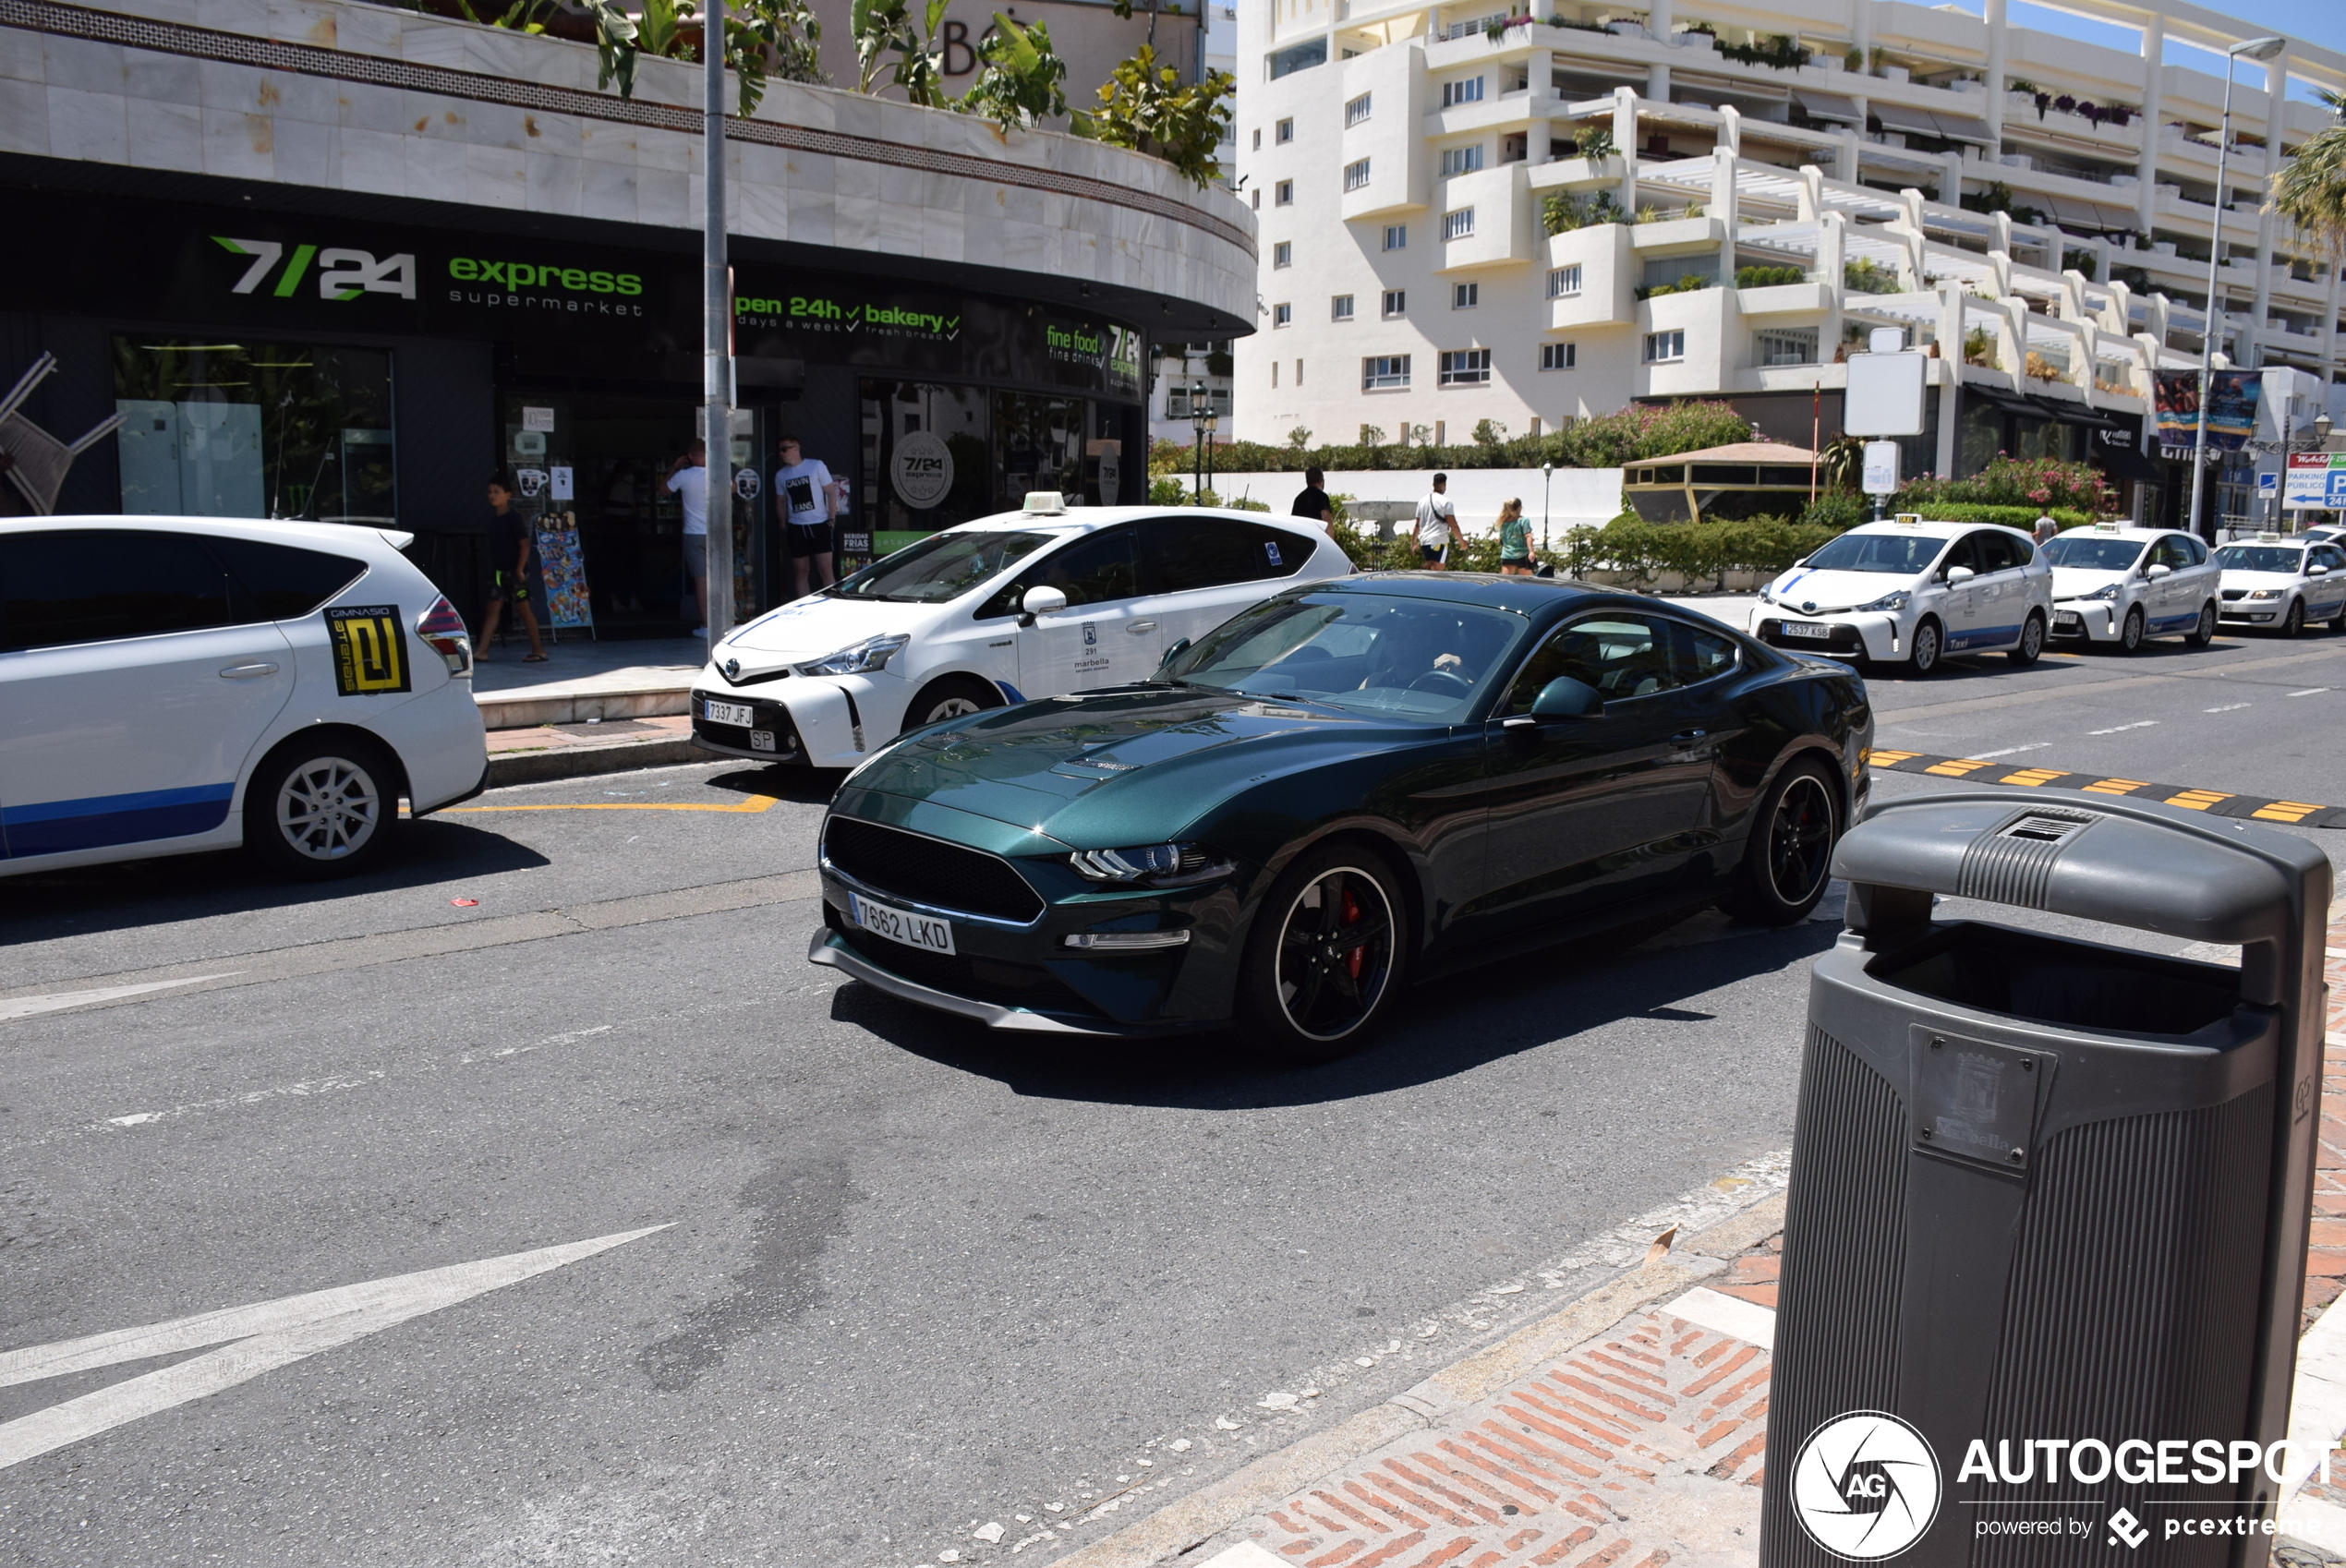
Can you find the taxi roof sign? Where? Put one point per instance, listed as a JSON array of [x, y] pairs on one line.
[[1043, 503], [1909, 519]]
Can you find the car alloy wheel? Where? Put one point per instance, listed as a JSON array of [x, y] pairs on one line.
[[323, 806], [2204, 632], [1336, 954], [2130, 635], [1925, 656], [328, 809], [2032, 640], [2294, 623], [955, 697], [1788, 859]]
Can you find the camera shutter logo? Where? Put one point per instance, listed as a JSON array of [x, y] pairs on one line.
[[1866, 1486]]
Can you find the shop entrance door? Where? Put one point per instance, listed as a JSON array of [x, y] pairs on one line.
[[612, 455]]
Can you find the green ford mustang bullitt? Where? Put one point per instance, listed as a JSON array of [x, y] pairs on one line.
[[1354, 783]]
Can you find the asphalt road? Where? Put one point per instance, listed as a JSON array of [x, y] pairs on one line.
[[915, 1279]]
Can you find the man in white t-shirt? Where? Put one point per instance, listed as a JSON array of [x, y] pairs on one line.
[[807, 501], [688, 476], [1438, 525]]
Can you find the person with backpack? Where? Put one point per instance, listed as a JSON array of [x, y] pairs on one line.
[[1437, 526]]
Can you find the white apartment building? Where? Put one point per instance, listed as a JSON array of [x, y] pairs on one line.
[[1436, 250]]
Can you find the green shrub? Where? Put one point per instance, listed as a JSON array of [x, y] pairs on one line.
[[1605, 440], [1562, 213], [1837, 509], [1770, 277], [1167, 490], [2021, 517], [1700, 552], [1689, 283], [1866, 275]]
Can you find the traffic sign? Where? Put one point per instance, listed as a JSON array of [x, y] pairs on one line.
[[2317, 481]]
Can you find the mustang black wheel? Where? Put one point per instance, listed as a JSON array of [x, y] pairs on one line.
[[1323, 957], [326, 809], [2204, 632], [1788, 859], [2032, 641], [950, 697]]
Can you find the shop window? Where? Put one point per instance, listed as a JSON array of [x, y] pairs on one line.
[[255, 430], [928, 460], [1038, 445]]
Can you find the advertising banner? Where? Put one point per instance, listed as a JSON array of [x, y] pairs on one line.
[[2232, 396], [563, 563]]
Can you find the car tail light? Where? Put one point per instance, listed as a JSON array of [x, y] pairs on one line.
[[443, 629]]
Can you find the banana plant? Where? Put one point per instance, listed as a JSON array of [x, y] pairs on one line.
[[1021, 79]]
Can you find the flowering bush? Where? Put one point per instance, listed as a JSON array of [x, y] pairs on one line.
[[1608, 441], [2042, 482]]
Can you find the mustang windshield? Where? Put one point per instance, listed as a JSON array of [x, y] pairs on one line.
[[1901, 555], [1415, 658], [2093, 554], [2261, 558], [943, 566]]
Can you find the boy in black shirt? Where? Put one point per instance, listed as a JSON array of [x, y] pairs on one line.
[[509, 541]]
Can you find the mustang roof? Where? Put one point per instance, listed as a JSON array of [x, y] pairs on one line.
[[1526, 596]]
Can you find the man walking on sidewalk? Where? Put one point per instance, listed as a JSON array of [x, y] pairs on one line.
[[510, 547], [1437, 526]]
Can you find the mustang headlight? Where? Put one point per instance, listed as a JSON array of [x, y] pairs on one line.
[[2264, 593], [858, 658], [1898, 600], [1152, 865]]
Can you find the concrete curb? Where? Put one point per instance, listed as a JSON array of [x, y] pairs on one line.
[[1184, 1524], [524, 710], [585, 762]]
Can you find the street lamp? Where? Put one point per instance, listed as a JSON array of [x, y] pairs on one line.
[[1198, 407], [1547, 473], [2248, 49]]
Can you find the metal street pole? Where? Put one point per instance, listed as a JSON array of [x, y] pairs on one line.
[[1547, 477], [2255, 49], [717, 328]]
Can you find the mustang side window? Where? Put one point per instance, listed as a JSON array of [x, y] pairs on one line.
[[1621, 656], [1704, 654]]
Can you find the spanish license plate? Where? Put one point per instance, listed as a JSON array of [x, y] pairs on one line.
[[1816, 629], [2069, 620], [726, 713], [925, 931]]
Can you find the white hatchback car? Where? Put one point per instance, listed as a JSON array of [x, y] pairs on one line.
[[1915, 590], [2281, 583], [176, 684], [1024, 604], [2119, 584]]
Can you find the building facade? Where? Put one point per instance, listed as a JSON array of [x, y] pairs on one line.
[[342, 262], [1469, 215]]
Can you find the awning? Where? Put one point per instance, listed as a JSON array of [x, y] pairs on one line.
[[1925, 122], [2073, 414], [1829, 106], [2010, 403], [2121, 459]]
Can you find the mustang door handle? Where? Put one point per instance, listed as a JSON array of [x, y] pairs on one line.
[[1140, 626], [247, 672], [1683, 736]]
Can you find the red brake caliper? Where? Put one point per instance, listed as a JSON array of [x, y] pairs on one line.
[[1351, 914]]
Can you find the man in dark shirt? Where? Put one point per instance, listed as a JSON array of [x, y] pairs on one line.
[[1313, 501], [509, 549]]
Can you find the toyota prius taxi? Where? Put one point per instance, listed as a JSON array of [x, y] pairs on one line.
[[1033, 603], [2119, 584], [1915, 590]]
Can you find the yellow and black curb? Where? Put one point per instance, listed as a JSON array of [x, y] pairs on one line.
[[2215, 802]]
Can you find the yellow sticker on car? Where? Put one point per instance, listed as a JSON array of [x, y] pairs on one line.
[[369, 654]]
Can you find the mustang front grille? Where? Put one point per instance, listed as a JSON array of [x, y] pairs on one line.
[[929, 870]]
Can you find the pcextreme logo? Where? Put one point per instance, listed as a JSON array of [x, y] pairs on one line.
[[343, 273], [1866, 1486]]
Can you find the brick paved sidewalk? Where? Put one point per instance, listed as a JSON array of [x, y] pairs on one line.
[[1644, 1446]]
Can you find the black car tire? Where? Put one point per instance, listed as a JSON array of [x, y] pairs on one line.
[[2200, 636], [949, 696], [327, 807], [2294, 623], [1928, 646], [2338, 621], [1787, 862], [1324, 957], [2032, 641], [2130, 632]]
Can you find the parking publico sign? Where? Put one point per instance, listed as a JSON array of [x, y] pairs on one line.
[[1866, 1486], [2317, 482]]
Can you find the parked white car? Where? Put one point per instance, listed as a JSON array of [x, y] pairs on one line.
[[2117, 584], [176, 684], [2281, 583], [1915, 590], [1025, 604]]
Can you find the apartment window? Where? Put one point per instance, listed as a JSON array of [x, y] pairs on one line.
[[1397, 236], [1563, 281], [1257, 139], [1558, 357], [1283, 254], [1466, 90], [1299, 372], [1384, 373], [1356, 174], [1662, 348], [1461, 159], [1786, 345], [1340, 307], [1283, 131], [1466, 367], [1397, 303], [1283, 194], [1275, 372], [1464, 296], [1282, 315], [1458, 224], [1256, 197], [1357, 111]]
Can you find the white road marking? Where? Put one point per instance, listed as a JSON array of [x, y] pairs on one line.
[[29, 1007], [253, 1339], [1731, 1315], [2228, 708], [2008, 752], [2308, 691], [1246, 1554], [2120, 729]]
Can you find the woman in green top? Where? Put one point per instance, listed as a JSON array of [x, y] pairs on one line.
[[1515, 540]]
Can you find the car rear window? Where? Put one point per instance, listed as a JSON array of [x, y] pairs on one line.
[[281, 582]]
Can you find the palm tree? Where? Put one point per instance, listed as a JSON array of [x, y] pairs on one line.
[[2310, 190]]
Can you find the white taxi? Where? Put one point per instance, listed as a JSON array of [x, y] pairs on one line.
[[1915, 590], [176, 684], [2281, 583], [1033, 603], [2112, 584]]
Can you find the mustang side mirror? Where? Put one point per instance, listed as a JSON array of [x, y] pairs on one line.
[[1566, 698], [1041, 600], [1176, 651], [1959, 574], [2156, 572]]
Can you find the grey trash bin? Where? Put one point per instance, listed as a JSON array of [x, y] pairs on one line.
[[2045, 1189]]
